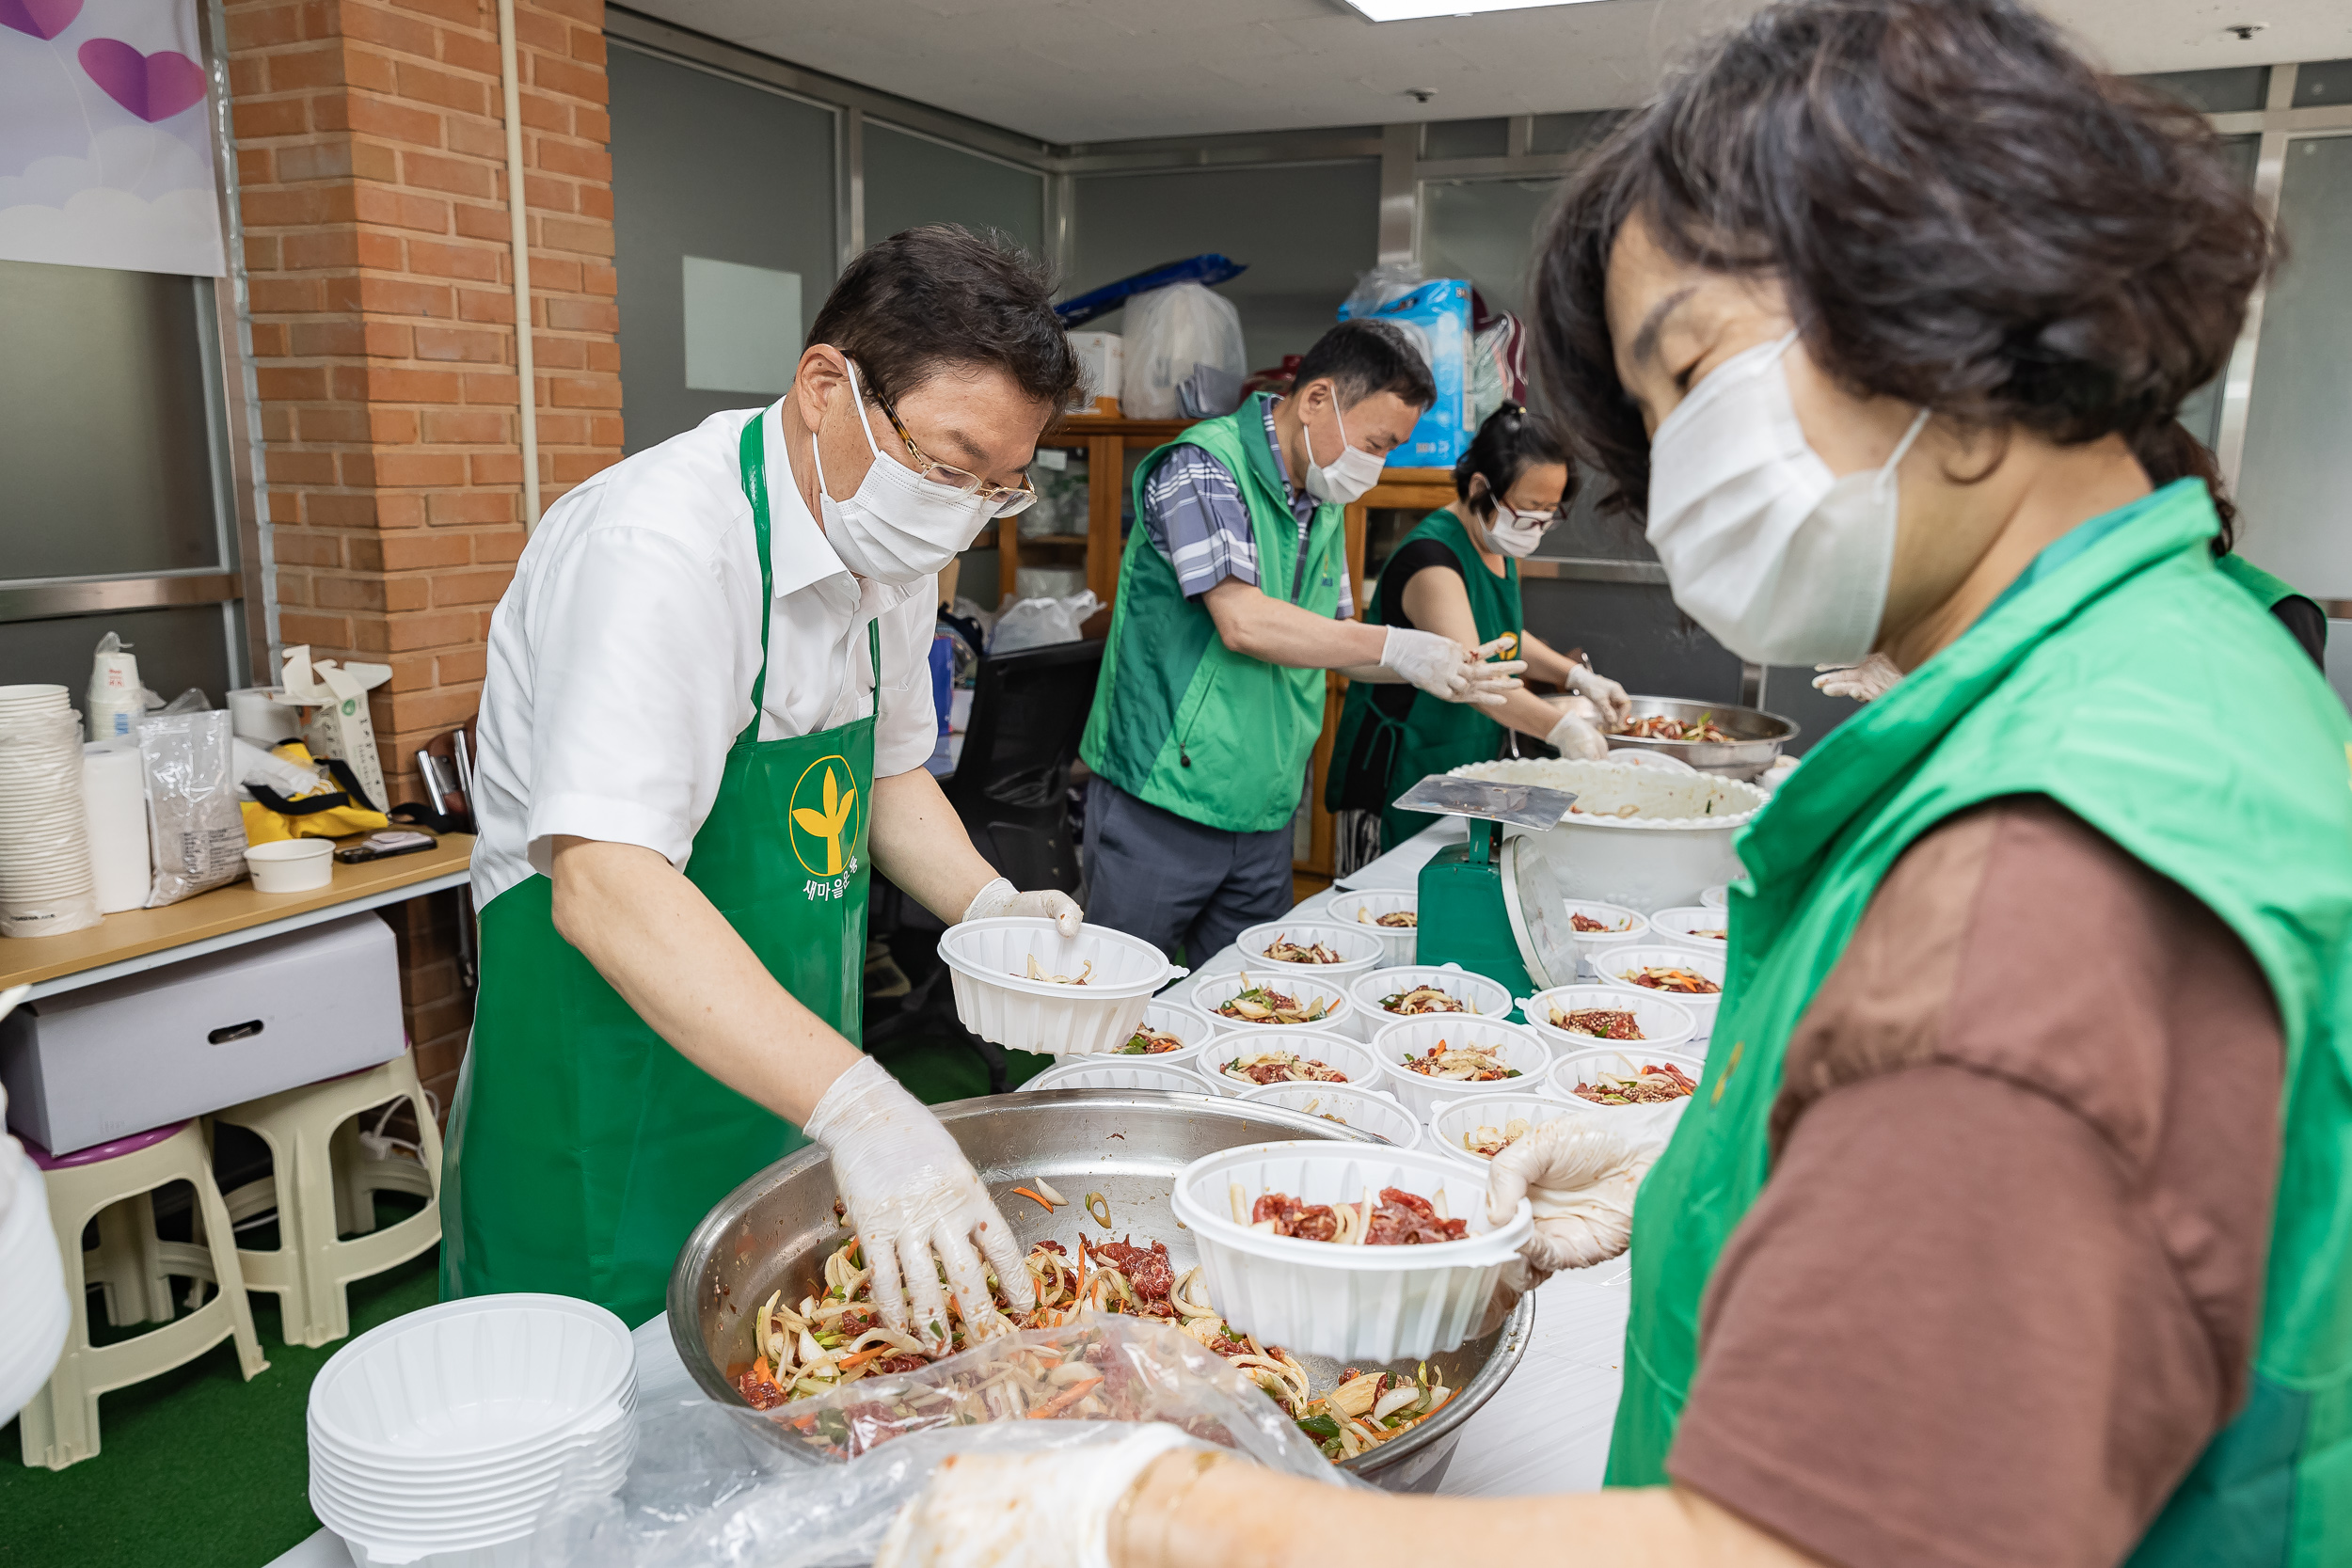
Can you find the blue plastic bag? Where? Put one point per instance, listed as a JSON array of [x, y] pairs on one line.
[[1436, 316]]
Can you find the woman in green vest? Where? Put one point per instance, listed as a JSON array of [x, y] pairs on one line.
[[2010, 1220], [1457, 574]]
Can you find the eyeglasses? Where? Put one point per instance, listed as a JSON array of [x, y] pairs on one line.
[[1003, 500]]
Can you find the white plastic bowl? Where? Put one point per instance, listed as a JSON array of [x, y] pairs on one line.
[[1519, 1047], [1212, 991], [1121, 1073], [1682, 926], [1185, 1022], [997, 1001], [1366, 1110], [1625, 925], [1398, 943], [1641, 1122], [1334, 1051], [1359, 948], [1665, 1025], [1359, 1304], [1620, 961], [292, 864], [1485, 998], [1453, 1120], [1716, 898], [1679, 842]]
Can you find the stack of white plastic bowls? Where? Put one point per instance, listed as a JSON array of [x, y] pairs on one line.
[[46, 885], [444, 1435]]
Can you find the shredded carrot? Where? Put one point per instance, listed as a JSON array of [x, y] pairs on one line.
[[1064, 1400], [861, 1357], [1038, 1197], [759, 1369]]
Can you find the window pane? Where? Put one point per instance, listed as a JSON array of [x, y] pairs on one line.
[[911, 180], [1484, 231], [706, 168], [1305, 232], [2231, 90], [104, 437], [1466, 138], [2298, 466], [2318, 83], [1570, 133]]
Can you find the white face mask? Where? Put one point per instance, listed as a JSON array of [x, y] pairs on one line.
[[1780, 560], [899, 526], [1513, 531], [1346, 476]]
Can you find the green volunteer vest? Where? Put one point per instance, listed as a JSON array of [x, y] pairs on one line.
[[2228, 774], [2268, 589], [1434, 736], [1182, 721]]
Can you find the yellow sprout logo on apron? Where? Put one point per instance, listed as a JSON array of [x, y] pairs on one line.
[[824, 817]]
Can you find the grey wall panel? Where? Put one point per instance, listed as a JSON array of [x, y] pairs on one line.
[[1484, 231], [1788, 691], [176, 648], [910, 180], [1634, 635], [706, 167]]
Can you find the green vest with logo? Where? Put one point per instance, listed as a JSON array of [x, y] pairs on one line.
[[2132, 681], [1182, 721]]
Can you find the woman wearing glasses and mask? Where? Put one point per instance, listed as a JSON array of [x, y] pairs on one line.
[[703, 727], [1457, 574]]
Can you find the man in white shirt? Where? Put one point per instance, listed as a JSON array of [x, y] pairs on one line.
[[705, 718]]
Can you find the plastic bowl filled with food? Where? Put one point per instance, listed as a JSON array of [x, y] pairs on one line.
[[1269, 998], [1170, 1034], [1364, 1109], [1020, 982], [1577, 1018], [1643, 837], [1689, 978], [1324, 949], [1353, 1251], [1699, 925], [1479, 1128], [1106, 1071], [1599, 926], [1642, 1091], [1424, 1060], [1396, 917], [1717, 896], [1422, 991], [1233, 1061]]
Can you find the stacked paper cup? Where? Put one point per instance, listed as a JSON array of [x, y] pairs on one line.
[[445, 1434], [46, 884]]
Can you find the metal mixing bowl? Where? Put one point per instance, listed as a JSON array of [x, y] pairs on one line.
[[775, 1231], [1759, 735]]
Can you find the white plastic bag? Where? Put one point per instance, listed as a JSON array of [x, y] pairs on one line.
[[1183, 337], [193, 822], [1040, 622]]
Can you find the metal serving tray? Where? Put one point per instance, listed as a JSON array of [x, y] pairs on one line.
[[776, 1229], [1759, 735]]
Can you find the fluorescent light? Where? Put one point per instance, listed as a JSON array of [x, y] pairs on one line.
[[1412, 10]]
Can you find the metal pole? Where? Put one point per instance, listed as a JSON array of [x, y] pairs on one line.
[[520, 238]]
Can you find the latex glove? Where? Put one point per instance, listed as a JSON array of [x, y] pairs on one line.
[[1575, 738], [1438, 665], [1492, 678], [1001, 898], [1050, 1509], [1615, 707], [910, 1192], [1580, 1176], [1865, 682]]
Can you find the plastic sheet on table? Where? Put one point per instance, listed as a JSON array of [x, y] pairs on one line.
[[817, 1482]]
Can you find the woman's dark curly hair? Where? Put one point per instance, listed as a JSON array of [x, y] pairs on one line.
[[1965, 216], [1511, 441]]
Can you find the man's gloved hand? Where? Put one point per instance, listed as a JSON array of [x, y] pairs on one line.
[[1001, 898], [1866, 682], [1576, 738], [1444, 669], [1051, 1509], [910, 1192], [1590, 683], [1580, 1176]]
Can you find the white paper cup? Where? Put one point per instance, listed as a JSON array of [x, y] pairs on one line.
[[1398, 943], [1519, 1047], [1212, 991], [1366, 1110], [1334, 1051], [1453, 1120], [1485, 998], [1359, 948], [1665, 1025], [1616, 964], [1359, 1304], [292, 864]]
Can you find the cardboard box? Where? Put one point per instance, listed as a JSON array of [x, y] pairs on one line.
[[1102, 367]]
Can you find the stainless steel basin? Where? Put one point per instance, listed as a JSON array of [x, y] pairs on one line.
[[775, 1231], [1757, 736]]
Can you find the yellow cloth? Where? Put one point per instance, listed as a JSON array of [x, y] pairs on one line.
[[264, 825]]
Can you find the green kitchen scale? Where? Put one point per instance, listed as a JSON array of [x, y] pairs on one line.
[[1493, 904]]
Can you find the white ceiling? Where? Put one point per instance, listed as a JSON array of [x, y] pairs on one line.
[[1090, 70]]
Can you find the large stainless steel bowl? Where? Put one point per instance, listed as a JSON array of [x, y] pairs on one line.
[[1759, 735], [775, 1231]]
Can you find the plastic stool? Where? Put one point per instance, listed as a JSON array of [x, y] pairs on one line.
[[118, 1180], [316, 1195]]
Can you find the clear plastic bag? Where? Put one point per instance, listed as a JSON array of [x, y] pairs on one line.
[[1183, 346], [1389, 281], [194, 826], [817, 1482], [1040, 622]]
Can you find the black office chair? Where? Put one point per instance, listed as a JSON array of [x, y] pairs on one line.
[[1011, 790]]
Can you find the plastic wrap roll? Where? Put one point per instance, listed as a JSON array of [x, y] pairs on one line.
[[113, 801]]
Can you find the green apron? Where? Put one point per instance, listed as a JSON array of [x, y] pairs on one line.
[[1434, 736], [584, 1148], [2226, 774]]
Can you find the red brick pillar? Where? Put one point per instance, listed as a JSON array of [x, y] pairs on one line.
[[371, 153]]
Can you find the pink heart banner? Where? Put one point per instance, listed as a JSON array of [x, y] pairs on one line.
[[42, 19], [152, 86]]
